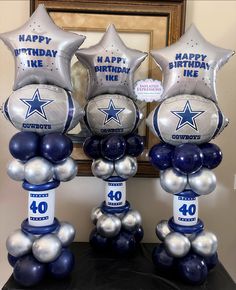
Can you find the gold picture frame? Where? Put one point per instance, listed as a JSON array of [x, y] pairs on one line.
[[141, 24]]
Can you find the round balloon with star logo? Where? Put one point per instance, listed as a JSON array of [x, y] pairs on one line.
[[187, 119], [42, 109], [107, 114]]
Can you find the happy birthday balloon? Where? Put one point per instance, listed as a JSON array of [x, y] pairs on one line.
[[190, 65], [111, 65], [42, 51]]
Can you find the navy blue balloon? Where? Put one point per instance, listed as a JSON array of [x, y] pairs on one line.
[[97, 241], [193, 269], [160, 155], [63, 265], [134, 145], [211, 261], [56, 147], [92, 147], [12, 260], [161, 259], [124, 243], [28, 271], [138, 234], [187, 158], [113, 147], [24, 145], [212, 155]]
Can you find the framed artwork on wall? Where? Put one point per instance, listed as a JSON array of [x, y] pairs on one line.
[[144, 25]]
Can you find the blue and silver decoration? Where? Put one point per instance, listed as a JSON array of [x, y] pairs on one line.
[[187, 118]]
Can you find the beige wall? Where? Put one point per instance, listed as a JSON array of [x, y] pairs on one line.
[[216, 20]]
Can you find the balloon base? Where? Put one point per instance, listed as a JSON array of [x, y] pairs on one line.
[[118, 229], [37, 252], [125, 243], [192, 268]]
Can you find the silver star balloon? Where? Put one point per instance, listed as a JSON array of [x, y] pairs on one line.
[[111, 65], [190, 65], [42, 51]]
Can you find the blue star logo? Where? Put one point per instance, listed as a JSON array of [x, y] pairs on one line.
[[112, 113], [36, 105], [187, 116]]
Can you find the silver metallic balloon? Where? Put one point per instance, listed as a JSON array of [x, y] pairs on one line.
[[66, 233], [66, 170], [108, 226], [102, 168], [95, 214], [162, 230], [202, 182], [47, 248], [205, 244], [177, 245], [38, 170], [126, 167], [172, 182], [106, 114], [132, 220], [15, 170], [189, 66], [43, 109], [42, 51], [187, 119], [19, 244], [111, 65]]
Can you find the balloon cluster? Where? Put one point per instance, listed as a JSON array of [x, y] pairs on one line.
[[34, 255], [187, 118], [114, 154], [112, 116], [43, 109]]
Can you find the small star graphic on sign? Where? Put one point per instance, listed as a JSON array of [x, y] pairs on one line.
[[187, 116], [111, 112], [36, 105]]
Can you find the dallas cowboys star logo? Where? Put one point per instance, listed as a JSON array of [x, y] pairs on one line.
[[112, 113], [36, 105], [187, 116]]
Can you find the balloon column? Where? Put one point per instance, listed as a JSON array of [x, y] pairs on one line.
[[112, 116], [43, 112], [185, 121]]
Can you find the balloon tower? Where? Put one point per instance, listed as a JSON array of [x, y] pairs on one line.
[[112, 116], [185, 121], [43, 109]]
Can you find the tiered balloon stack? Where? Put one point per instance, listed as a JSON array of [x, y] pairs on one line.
[[186, 120], [43, 109], [112, 116]]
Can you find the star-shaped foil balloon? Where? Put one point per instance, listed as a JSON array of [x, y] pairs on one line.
[[190, 65], [111, 65], [42, 51]]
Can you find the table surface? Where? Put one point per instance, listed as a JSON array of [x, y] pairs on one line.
[[101, 271]]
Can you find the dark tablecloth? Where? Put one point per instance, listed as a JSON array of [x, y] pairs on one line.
[[97, 271]]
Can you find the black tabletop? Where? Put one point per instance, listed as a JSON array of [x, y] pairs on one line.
[[100, 271]]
